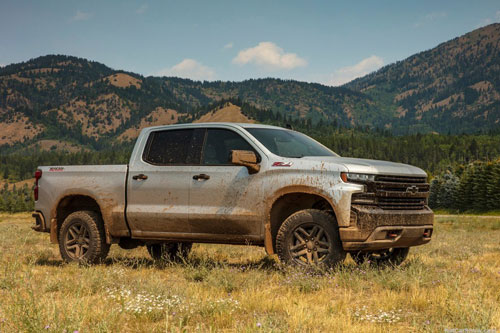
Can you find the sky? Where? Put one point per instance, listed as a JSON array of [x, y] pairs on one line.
[[329, 42]]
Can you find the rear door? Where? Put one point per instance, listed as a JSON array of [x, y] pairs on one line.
[[158, 183], [224, 200]]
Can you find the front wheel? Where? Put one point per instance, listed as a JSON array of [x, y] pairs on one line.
[[392, 256], [310, 237], [169, 251], [82, 238]]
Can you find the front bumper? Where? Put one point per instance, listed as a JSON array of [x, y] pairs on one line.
[[373, 228]]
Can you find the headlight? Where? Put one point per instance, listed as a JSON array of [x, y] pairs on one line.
[[356, 177]]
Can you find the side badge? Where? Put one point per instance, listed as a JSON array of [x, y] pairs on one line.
[[282, 164]]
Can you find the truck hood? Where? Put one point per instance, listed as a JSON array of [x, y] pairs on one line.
[[361, 165]]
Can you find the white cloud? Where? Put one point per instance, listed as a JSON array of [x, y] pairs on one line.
[[269, 56], [189, 68], [228, 46], [488, 20], [81, 16], [349, 73], [435, 15], [142, 9], [484, 22], [432, 16]]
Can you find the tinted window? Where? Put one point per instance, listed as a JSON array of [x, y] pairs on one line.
[[174, 147], [219, 144], [287, 143]]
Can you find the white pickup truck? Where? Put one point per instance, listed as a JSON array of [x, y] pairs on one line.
[[236, 184]]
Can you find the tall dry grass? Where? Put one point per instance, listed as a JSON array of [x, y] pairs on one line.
[[453, 282]]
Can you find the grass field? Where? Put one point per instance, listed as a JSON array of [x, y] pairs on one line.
[[451, 283], [467, 213]]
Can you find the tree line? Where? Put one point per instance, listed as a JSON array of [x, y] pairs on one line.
[[464, 170], [16, 199], [471, 187]]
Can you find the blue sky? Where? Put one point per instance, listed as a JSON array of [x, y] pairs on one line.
[[329, 42]]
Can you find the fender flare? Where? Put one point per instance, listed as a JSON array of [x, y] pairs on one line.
[[106, 217], [291, 189]]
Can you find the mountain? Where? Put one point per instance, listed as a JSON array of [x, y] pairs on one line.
[[57, 96], [63, 101], [454, 87]]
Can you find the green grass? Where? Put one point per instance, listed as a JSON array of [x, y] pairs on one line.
[[452, 282]]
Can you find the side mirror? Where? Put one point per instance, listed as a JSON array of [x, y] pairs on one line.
[[245, 158]]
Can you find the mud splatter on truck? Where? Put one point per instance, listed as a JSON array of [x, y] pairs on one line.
[[236, 184]]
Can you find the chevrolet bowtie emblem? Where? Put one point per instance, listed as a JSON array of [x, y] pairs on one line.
[[412, 189]]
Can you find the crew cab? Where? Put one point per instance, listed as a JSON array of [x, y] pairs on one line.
[[229, 183]]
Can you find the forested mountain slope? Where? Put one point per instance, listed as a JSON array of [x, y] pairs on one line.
[[454, 87], [451, 88]]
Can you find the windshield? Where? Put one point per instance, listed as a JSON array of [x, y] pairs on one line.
[[287, 143]]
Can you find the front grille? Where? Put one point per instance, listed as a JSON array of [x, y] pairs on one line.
[[401, 203], [394, 193], [400, 179]]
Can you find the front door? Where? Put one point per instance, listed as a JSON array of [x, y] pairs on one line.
[[224, 199], [158, 184]]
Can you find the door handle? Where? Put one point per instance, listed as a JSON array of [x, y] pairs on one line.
[[140, 176], [201, 176]]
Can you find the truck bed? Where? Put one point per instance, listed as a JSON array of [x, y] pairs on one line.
[[105, 183]]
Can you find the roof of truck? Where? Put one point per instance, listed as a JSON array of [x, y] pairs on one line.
[[242, 125]]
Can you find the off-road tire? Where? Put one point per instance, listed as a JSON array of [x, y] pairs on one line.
[[82, 238], [310, 237], [389, 257], [169, 251]]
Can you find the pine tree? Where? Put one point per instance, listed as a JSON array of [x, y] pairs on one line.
[[2, 203], [493, 187], [465, 189], [479, 189], [449, 187], [435, 189]]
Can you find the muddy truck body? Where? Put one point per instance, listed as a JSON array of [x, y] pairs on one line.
[[235, 184]]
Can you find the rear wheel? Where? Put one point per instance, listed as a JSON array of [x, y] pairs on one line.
[[169, 251], [82, 238], [310, 237], [392, 256]]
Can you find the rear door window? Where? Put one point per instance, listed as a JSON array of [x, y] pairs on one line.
[[174, 147]]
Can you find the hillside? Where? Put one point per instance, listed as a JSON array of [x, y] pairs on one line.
[[451, 88], [61, 97], [226, 113], [454, 87]]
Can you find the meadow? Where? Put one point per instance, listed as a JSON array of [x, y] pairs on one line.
[[451, 283]]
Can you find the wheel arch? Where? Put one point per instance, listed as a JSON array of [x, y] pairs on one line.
[[71, 203], [288, 201]]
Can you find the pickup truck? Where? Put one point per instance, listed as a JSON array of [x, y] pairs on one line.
[[228, 183]]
